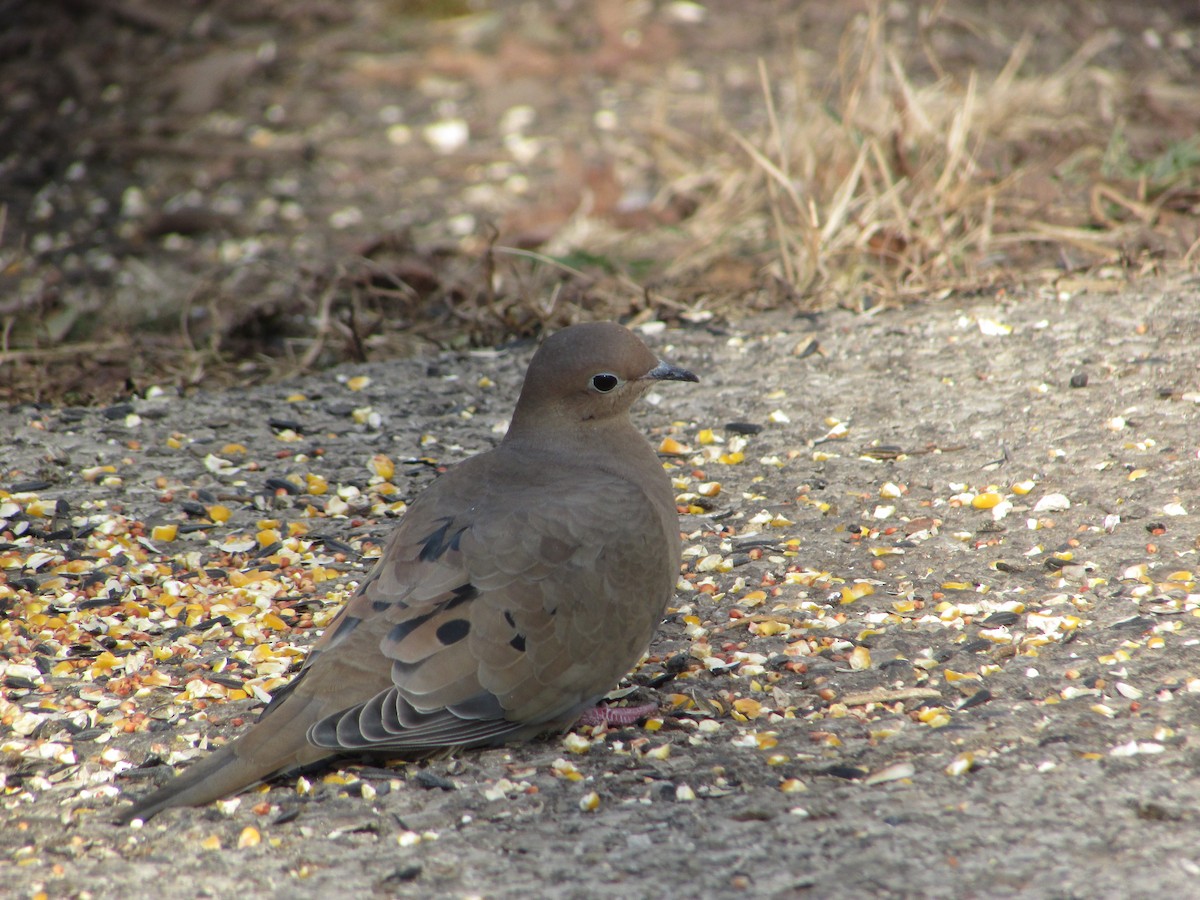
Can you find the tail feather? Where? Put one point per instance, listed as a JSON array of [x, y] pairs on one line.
[[253, 758], [208, 779]]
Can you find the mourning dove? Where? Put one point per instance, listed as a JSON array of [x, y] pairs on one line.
[[516, 591]]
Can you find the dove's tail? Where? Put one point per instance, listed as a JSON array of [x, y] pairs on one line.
[[262, 752]]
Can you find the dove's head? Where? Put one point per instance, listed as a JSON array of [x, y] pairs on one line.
[[589, 373]]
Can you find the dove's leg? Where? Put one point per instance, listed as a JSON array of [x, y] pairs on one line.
[[617, 715]]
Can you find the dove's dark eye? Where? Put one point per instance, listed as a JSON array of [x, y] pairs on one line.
[[605, 382]]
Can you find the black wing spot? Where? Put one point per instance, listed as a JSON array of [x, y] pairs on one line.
[[402, 630], [453, 631], [437, 542], [464, 593], [508, 617], [518, 643]]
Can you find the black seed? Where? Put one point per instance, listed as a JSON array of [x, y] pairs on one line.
[[1055, 739], [809, 349], [339, 409], [429, 781], [752, 543], [979, 698], [336, 546], [850, 773], [1150, 811], [999, 619], [1137, 623], [410, 872], [1079, 379], [22, 487], [743, 427], [677, 663], [88, 734]]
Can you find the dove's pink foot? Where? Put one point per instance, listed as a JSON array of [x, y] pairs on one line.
[[617, 715]]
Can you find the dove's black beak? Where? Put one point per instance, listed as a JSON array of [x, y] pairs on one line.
[[664, 371]]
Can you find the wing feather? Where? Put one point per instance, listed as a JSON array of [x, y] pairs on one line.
[[510, 615]]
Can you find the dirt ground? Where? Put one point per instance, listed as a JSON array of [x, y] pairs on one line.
[[1052, 753], [936, 631]]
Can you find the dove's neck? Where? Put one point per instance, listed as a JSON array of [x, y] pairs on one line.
[[596, 443]]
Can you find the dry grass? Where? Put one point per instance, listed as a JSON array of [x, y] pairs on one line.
[[876, 187]]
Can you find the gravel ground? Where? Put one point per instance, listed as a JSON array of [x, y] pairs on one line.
[[935, 637]]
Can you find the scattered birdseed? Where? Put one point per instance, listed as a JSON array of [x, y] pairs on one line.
[[782, 650]]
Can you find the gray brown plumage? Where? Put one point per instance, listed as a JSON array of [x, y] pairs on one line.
[[517, 590]]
